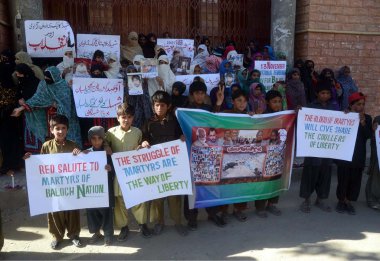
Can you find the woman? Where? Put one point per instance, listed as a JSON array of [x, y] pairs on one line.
[[200, 58], [23, 57], [347, 83], [165, 73], [52, 91], [132, 48], [148, 48]]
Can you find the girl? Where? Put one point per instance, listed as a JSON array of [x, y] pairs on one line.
[[295, 91], [257, 98], [347, 83], [336, 89]]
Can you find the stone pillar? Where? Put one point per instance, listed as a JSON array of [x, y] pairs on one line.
[[283, 17], [26, 10]]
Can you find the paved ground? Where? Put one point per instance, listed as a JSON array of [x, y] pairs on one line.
[[293, 236]]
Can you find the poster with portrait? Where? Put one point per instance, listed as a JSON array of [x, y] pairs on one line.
[[229, 79], [149, 67], [82, 68], [238, 158], [181, 47], [135, 81], [184, 64], [48, 38]]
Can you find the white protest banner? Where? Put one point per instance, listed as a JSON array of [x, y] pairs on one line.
[[211, 80], [147, 174], [184, 47], [97, 97], [48, 38], [271, 72], [62, 181], [87, 44], [377, 136], [326, 134]]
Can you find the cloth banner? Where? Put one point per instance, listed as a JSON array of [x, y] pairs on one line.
[[62, 181], [97, 97], [271, 72], [211, 80], [185, 47], [48, 38], [87, 44], [326, 134], [147, 174], [236, 157]]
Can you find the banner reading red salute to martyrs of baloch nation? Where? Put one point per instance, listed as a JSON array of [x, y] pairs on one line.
[[236, 157]]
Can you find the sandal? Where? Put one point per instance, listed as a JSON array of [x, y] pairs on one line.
[[261, 213], [240, 216], [54, 244], [322, 206], [305, 207], [273, 210]]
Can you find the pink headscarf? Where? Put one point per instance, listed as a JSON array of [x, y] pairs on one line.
[[257, 103], [212, 63]]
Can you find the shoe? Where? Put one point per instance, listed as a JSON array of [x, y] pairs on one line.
[[305, 206], [340, 207], [218, 221], [182, 230], [322, 206], [224, 216], [192, 225], [123, 234], [108, 240], [95, 238], [261, 213], [54, 244], [158, 229], [240, 216], [145, 231], [273, 210], [350, 209], [76, 241]]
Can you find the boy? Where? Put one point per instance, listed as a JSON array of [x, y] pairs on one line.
[[101, 217], [350, 172], [163, 127], [198, 91], [274, 104], [125, 138], [316, 174], [69, 219]]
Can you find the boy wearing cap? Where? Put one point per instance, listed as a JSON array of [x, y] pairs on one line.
[[101, 217], [350, 172], [316, 174]]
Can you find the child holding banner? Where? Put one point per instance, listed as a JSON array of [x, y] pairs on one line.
[[274, 104], [101, 217], [163, 127], [350, 173], [125, 137], [59, 221], [316, 174]]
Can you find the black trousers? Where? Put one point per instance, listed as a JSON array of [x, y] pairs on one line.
[[262, 203], [316, 178], [98, 218], [349, 182], [191, 215]]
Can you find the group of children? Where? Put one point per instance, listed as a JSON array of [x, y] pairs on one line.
[[163, 127]]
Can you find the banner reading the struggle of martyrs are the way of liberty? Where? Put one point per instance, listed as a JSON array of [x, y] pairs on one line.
[[236, 157]]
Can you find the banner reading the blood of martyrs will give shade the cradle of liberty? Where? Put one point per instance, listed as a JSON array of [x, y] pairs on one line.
[[236, 157]]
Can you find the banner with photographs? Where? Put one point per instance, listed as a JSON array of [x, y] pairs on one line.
[[211, 80], [178, 47], [62, 181], [97, 97], [48, 38], [236, 157], [135, 81], [271, 72], [87, 44], [326, 134]]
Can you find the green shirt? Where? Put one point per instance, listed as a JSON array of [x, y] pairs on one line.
[[52, 147]]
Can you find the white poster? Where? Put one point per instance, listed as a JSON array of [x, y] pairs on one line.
[[147, 174], [237, 60], [62, 181], [87, 44], [183, 47], [271, 72], [48, 38], [97, 97], [326, 134], [211, 80], [377, 136]]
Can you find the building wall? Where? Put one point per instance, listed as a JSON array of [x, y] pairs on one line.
[[343, 32], [5, 26]]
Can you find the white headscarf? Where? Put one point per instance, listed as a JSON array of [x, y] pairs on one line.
[[114, 68], [137, 58], [165, 73], [200, 58]]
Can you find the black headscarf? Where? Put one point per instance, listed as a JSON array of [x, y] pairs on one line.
[[148, 49], [27, 85], [7, 67]]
